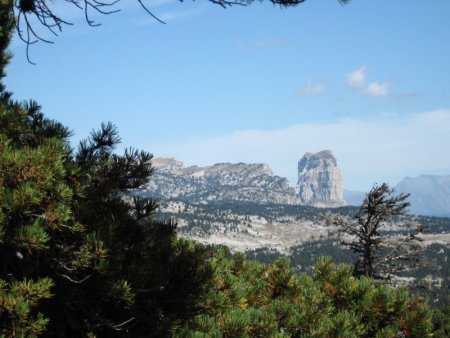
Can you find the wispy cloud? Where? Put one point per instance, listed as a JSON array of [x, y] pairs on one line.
[[357, 80], [312, 88], [387, 148]]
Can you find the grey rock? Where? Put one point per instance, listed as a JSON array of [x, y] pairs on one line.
[[222, 181], [320, 182]]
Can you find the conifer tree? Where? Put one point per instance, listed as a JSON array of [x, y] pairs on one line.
[[70, 236], [380, 255], [80, 255], [35, 204], [248, 299], [6, 27]]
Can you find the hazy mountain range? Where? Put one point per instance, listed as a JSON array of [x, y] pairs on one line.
[[430, 195]]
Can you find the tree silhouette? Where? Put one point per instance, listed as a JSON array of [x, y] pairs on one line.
[[381, 255]]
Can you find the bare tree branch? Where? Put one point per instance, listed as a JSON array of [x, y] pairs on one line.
[[76, 281], [29, 13]]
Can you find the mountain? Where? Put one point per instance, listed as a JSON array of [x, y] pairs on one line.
[[430, 194], [248, 208], [320, 181], [222, 181], [320, 184]]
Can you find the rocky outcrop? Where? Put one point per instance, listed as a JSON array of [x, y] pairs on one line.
[[320, 182], [222, 181]]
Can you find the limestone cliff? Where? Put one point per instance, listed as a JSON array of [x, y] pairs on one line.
[[223, 181], [320, 181]]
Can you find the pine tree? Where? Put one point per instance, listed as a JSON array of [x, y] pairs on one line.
[[379, 255], [79, 254], [72, 234], [248, 299], [6, 26], [35, 210]]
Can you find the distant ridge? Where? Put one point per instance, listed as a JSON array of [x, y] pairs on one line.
[[320, 182], [430, 194], [222, 181]]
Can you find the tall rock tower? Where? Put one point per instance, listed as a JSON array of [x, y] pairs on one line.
[[320, 181]]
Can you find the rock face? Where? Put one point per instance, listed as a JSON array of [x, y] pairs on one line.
[[320, 181], [222, 181]]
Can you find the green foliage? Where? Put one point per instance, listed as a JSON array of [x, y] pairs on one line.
[[441, 322], [6, 18], [68, 217], [72, 234], [248, 299], [18, 302]]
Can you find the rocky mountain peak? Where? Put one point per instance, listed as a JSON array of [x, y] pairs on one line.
[[320, 181]]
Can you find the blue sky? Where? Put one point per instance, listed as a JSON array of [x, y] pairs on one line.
[[369, 80]]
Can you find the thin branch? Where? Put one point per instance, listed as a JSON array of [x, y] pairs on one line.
[[118, 327], [76, 281], [150, 13]]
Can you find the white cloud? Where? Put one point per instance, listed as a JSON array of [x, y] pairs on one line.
[[377, 89], [357, 80], [384, 149], [312, 89]]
